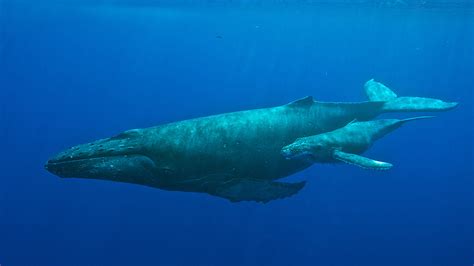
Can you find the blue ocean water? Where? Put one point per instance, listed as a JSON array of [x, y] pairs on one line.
[[75, 71]]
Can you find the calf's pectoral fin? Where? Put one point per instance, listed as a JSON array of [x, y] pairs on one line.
[[360, 161], [247, 189]]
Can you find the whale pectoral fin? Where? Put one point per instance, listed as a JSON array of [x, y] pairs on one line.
[[248, 189], [361, 161]]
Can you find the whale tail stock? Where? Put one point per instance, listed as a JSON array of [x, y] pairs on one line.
[[377, 92]]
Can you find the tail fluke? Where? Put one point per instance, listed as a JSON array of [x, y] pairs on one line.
[[417, 104], [376, 91]]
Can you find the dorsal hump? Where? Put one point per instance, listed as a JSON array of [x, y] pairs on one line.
[[352, 122]]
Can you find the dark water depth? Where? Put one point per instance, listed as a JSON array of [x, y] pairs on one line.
[[72, 72]]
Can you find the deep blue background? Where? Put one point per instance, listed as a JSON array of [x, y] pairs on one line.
[[73, 73]]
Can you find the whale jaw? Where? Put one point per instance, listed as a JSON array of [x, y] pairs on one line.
[[117, 168], [119, 158]]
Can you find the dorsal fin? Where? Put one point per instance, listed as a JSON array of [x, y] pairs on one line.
[[306, 101], [127, 134], [353, 121]]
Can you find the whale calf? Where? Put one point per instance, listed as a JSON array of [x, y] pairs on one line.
[[236, 155], [346, 144]]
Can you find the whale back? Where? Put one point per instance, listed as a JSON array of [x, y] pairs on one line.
[[247, 144]]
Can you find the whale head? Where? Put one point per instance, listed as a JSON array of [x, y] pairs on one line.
[[317, 148], [120, 158]]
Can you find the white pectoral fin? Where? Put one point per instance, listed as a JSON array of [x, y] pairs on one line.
[[361, 161]]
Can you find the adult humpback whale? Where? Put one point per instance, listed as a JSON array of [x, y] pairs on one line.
[[234, 155]]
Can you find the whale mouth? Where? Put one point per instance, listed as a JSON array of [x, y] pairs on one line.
[[292, 155], [105, 167], [73, 167], [111, 158]]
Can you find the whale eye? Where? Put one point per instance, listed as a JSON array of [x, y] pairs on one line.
[[318, 147], [166, 170]]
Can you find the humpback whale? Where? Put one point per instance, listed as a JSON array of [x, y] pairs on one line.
[[346, 143], [236, 156]]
